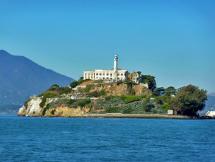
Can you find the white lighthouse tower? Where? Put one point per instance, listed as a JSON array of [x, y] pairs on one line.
[[116, 60], [115, 67]]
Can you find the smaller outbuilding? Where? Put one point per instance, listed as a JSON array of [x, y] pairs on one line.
[[210, 114]]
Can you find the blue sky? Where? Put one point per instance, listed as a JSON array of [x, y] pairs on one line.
[[173, 40]]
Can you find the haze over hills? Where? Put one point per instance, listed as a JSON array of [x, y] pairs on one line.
[[210, 102], [20, 78]]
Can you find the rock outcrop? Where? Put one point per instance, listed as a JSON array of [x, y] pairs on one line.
[[33, 108]]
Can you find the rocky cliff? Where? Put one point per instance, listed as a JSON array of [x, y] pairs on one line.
[[33, 108]]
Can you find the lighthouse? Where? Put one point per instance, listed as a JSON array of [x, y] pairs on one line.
[[116, 60], [115, 67]]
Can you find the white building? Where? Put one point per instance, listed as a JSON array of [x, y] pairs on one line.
[[210, 114], [109, 75]]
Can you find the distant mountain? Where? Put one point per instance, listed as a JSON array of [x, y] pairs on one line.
[[9, 109], [210, 102], [21, 78]]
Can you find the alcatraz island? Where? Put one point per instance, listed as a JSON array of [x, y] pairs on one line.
[[116, 93]]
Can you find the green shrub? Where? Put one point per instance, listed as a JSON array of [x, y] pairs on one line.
[[74, 84], [83, 102], [48, 94], [102, 93], [88, 88], [70, 102], [165, 106], [113, 110], [64, 90], [54, 87], [127, 110], [129, 99], [149, 107]]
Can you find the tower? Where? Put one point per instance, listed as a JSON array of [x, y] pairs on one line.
[[116, 59], [115, 67]]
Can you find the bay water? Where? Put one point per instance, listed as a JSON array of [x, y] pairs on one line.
[[101, 139]]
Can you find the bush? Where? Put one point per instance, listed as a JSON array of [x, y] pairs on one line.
[[129, 99], [54, 87], [149, 107], [113, 110], [128, 110], [64, 90], [48, 94], [70, 102], [83, 102], [88, 88], [74, 84], [165, 106], [102, 93]]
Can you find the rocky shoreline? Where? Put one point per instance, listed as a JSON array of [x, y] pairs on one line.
[[115, 115], [118, 115]]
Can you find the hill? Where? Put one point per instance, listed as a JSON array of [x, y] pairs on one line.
[[20, 78], [210, 102], [87, 97]]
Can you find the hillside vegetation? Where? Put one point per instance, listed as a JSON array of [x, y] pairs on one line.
[[127, 97]]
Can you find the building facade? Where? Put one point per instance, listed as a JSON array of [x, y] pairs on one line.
[[109, 75]]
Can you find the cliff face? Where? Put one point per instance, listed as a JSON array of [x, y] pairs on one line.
[[66, 111], [116, 89], [33, 108]]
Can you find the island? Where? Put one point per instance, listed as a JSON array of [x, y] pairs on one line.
[[116, 93]]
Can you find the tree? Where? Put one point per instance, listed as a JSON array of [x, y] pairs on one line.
[[54, 87], [76, 83], [149, 107], [170, 91], [150, 80], [73, 84], [159, 91], [189, 100]]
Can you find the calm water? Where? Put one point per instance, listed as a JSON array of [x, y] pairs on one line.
[[62, 139]]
